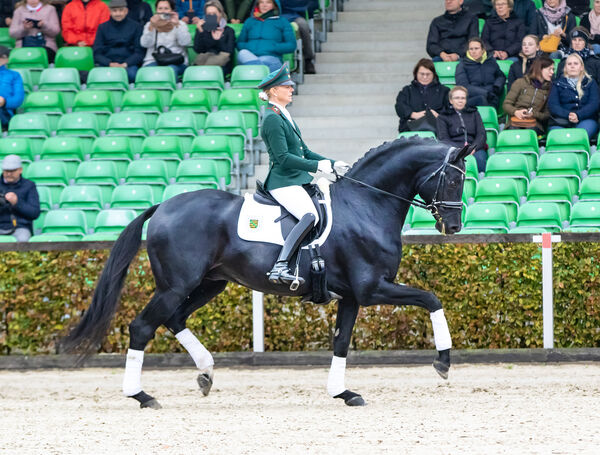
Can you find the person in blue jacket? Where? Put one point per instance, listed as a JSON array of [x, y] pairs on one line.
[[12, 93], [183, 8], [574, 98], [266, 36]]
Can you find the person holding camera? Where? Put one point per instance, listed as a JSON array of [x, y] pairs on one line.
[[35, 24], [19, 200], [214, 41], [12, 93], [80, 21], [166, 37], [193, 15]]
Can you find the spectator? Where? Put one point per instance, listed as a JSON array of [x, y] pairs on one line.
[[573, 100], [238, 10], [525, 10], [419, 103], [591, 21], [20, 204], [118, 41], [215, 47], [554, 18], [479, 8], [6, 11], [461, 124], [188, 16], [481, 76], [139, 11], [526, 102], [296, 11], [166, 32], [266, 36], [503, 31], [579, 7], [80, 21], [35, 24], [448, 33], [12, 93], [579, 45], [530, 49]]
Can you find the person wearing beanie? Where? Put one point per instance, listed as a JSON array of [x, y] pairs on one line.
[[80, 21], [12, 93], [591, 22], [579, 44], [217, 45]]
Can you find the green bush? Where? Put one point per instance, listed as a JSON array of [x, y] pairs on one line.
[[491, 293]]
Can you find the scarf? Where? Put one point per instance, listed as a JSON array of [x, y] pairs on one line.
[[573, 81], [262, 17], [554, 16], [583, 53], [594, 23], [482, 59]]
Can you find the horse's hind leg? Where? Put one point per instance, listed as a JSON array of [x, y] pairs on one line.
[[177, 324]]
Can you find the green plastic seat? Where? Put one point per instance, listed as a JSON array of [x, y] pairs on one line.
[[589, 189], [208, 77], [45, 196], [494, 216], [197, 101], [5, 38], [130, 124], [409, 134], [237, 29], [50, 238], [519, 141], [503, 190], [113, 221], [160, 78], [99, 102], [540, 214], [199, 171], [553, 189], [166, 148], [594, 164], [446, 72], [80, 58], [135, 197], [174, 190], [230, 123], [64, 80], [248, 76], [25, 77], [490, 122], [421, 219], [69, 150], [585, 213], [471, 168], [83, 197], [100, 173], [33, 58], [7, 238], [221, 150], [81, 124], [52, 174], [114, 148], [149, 172], [178, 123], [49, 103], [247, 102], [573, 140], [35, 126], [112, 79], [16, 146], [65, 222], [100, 237], [508, 165], [505, 66], [147, 101], [564, 164]]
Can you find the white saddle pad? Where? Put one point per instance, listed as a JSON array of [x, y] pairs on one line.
[[256, 222]]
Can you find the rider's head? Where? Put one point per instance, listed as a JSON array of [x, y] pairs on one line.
[[278, 86]]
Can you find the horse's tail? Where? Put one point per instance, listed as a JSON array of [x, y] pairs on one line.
[[89, 333]]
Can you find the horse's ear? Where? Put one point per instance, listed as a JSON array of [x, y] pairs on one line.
[[461, 154]]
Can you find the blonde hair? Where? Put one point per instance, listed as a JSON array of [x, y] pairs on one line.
[[582, 74], [457, 88], [511, 3]]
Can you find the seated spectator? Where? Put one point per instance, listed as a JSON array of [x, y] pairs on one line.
[[139, 11], [591, 21], [526, 102], [20, 204], [481, 76], [238, 10], [503, 31], [579, 7], [266, 36], [525, 10], [35, 24], [215, 47], [579, 45], [574, 98], [419, 103], [166, 32], [7, 8], [80, 21], [554, 18], [448, 33], [12, 93], [479, 8], [297, 11], [461, 124], [190, 16], [530, 49], [118, 41]]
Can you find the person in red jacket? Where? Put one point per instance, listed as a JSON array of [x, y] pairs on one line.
[[80, 20]]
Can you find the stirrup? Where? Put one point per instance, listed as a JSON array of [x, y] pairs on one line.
[[281, 274]]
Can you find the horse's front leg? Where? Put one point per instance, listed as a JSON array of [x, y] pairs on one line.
[[395, 294], [346, 317]]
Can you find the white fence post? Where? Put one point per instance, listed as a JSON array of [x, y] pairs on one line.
[[546, 240], [258, 331]]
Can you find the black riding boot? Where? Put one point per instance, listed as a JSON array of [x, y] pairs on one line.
[[281, 271]]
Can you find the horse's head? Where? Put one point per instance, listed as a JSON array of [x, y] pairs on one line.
[[442, 190]]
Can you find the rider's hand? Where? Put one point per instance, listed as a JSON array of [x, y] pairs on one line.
[[325, 167], [341, 167]]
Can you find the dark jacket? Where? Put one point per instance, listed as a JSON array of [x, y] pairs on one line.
[[452, 130], [415, 98], [526, 94], [516, 69], [541, 26], [480, 78], [579, 6], [585, 22], [27, 207], [591, 65], [118, 42], [205, 43], [450, 32], [564, 99], [139, 11], [525, 10], [292, 9], [503, 35]]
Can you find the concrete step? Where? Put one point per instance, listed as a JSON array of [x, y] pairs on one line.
[[354, 100], [344, 122], [354, 78], [367, 57], [394, 16], [390, 65], [342, 110], [386, 131], [414, 28], [389, 5], [349, 89], [400, 49], [377, 36]]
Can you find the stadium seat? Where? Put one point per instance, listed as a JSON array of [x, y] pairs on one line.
[[471, 168], [493, 216], [540, 214], [100, 237], [245, 101], [230, 123], [35, 126], [65, 80], [199, 171], [408, 134], [80, 58], [159, 78], [106, 78], [99, 102], [446, 72], [585, 214], [503, 190], [421, 218], [490, 122], [148, 172], [45, 196], [5, 38], [16, 146], [174, 190], [147, 101], [114, 148], [135, 197], [219, 149], [589, 189], [508, 165], [178, 123], [519, 141], [25, 76], [49, 103], [166, 148], [52, 174], [130, 124], [69, 150], [248, 76], [505, 66], [50, 238], [194, 100], [100, 173], [573, 140], [207, 77], [83, 197], [564, 164], [113, 221], [65, 222], [81, 124], [33, 58], [553, 189]]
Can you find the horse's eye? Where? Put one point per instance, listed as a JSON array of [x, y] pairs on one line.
[[452, 184]]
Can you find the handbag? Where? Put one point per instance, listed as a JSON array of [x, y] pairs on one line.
[[34, 41], [550, 43], [525, 122], [164, 57], [425, 123]]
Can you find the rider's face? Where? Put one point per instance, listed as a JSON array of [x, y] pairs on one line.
[[283, 94]]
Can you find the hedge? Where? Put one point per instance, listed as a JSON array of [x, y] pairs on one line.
[[491, 293]]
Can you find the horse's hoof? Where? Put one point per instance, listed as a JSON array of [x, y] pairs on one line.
[[442, 368], [351, 398], [152, 404], [205, 383]]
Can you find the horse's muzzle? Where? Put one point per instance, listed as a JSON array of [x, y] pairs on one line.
[[448, 227]]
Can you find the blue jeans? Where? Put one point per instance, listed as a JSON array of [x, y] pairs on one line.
[[481, 159], [178, 69], [131, 72], [245, 57], [5, 116], [589, 125]]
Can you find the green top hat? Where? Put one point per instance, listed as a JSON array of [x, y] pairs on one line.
[[277, 77]]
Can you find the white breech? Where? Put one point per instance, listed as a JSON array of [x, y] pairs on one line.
[[202, 358], [132, 381], [335, 381], [441, 334], [296, 201]]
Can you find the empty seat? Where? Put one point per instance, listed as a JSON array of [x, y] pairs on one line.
[[45, 197], [512, 165], [35, 126], [490, 122], [100, 237], [50, 238], [113, 220], [166, 148], [99, 173], [174, 190], [5, 38], [248, 76], [446, 72], [564, 164], [147, 101], [219, 149], [52, 174], [33, 58], [589, 189], [199, 171], [244, 100], [206, 76], [25, 77], [83, 197], [81, 124], [494, 216], [178, 123], [114, 148], [505, 66], [69, 150], [135, 197], [107, 78], [230, 123], [519, 141], [502, 190], [148, 172], [130, 124], [554, 189], [16, 146], [64, 80], [540, 214], [569, 140], [161, 78], [194, 100], [49, 103], [65, 222], [99, 102], [421, 218], [585, 213], [81, 58]]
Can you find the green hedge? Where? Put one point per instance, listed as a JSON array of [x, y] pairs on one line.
[[491, 294]]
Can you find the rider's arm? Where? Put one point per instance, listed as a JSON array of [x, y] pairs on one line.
[[275, 137]]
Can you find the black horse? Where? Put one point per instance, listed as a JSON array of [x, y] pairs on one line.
[[194, 251]]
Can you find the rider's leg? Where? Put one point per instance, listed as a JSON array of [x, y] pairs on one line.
[[297, 201]]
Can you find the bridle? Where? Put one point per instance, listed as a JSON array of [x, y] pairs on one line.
[[435, 203]]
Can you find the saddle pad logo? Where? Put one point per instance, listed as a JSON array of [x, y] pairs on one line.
[[253, 224]]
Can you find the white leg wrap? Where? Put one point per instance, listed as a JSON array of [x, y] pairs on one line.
[[335, 381], [441, 334], [132, 381], [202, 358]]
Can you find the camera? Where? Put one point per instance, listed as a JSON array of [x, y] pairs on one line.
[[165, 16]]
